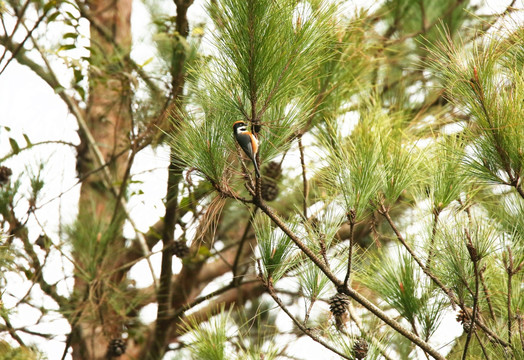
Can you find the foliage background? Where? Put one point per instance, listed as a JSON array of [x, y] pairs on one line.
[[61, 161]]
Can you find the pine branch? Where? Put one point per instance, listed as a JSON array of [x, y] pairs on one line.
[[240, 247], [510, 272], [32, 145], [231, 297], [11, 330], [348, 290], [385, 212], [351, 219], [439, 283], [19, 18], [269, 286], [482, 347], [486, 292], [436, 213], [474, 258], [16, 50], [100, 28], [365, 335], [304, 178]]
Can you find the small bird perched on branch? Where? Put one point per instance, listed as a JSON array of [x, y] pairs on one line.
[[247, 141]]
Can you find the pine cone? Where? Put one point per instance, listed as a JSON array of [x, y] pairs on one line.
[[5, 173], [360, 348], [467, 326], [465, 319], [269, 190], [272, 170], [116, 348], [338, 305], [180, 249], [462, 317]]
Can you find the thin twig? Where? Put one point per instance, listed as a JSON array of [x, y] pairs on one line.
[[211, 295], [308, 311], [452, 297], [241, 245], [365, 335], [12, 330], [436, 213], [474, 258], [510, 272], [520, 322], [28, 35], [486, 292], [30, 146], [384, 212], [351, 219], [19, 18], [348, 290], [305, 330], [304, 178], [481, 344], [323, 250]]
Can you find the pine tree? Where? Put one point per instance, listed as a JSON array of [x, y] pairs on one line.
[[391, 195]]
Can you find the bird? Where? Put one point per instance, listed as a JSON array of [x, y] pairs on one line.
[[247, 141]]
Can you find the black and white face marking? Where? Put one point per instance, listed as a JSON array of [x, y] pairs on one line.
[[240, 128]]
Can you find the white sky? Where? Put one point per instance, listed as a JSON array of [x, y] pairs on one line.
[[29, 106]]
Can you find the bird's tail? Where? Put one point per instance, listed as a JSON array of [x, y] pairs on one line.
[[257, 172]]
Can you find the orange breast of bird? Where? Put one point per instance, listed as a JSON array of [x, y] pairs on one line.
[[254, 144]]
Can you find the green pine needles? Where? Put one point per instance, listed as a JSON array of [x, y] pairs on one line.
[[484, 82], [277, 252], [373, 166], [268, 53]]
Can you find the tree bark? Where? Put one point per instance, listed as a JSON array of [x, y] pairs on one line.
[[109, 119]]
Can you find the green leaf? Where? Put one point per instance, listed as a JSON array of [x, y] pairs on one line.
[[48, 6], [81, 91], [147, 61], [70, 35], [78, 75], [14, 145], [53, 16], [71, 15], [27, 139], [67, 47]]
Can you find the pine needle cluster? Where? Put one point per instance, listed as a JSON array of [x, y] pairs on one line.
[[269, 51]]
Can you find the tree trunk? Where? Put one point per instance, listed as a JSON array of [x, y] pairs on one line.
[[109, 119]]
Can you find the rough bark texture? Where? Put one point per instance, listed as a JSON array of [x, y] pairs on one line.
[[108, 117]]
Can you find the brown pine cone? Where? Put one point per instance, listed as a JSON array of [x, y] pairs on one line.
[[338, 305], [5, 174], [116, 348], [272, 170], [269, 190], [360, 348], [180, 249]]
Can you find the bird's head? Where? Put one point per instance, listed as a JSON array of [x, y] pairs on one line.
[[239, 127]]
